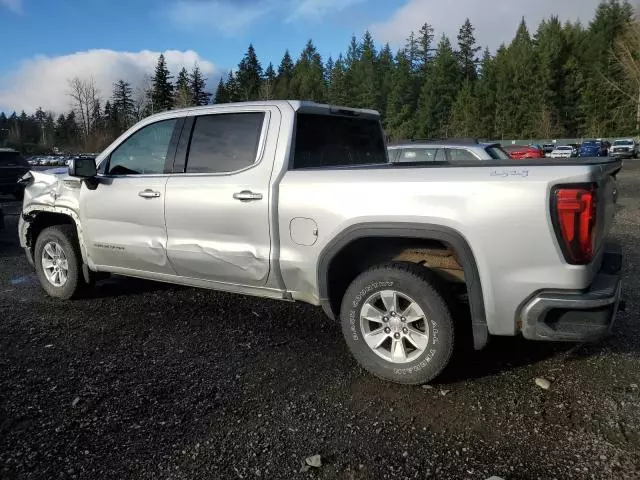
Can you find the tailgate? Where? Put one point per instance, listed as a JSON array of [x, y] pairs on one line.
[[607, 194]]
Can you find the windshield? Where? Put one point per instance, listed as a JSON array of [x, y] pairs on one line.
[[623, 142], [564, 148], [497, 153], [589, 143]]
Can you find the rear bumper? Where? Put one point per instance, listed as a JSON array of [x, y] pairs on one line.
[[577, 316]]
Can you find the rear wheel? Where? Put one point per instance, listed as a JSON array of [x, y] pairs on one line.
[[397, 325], [58, 262]]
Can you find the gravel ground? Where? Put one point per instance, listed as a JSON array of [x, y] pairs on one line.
[[152, 381]]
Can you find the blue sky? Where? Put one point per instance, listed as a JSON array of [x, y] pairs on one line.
[[111, 39]]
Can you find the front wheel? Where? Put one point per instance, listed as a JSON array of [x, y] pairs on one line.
[[397, 325], [58, 261]]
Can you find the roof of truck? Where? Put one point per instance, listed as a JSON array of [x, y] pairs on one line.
[[295, 104]]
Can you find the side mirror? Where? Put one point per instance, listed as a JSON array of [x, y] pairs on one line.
[[83, 167]]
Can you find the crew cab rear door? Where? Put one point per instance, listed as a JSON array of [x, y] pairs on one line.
[[217, 203]]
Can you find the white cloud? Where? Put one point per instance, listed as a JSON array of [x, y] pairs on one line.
[[43, 81], [227, 17], [315, 9], [13, 5], [495, 21]]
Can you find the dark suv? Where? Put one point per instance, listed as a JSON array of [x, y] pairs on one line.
[[12, 167]]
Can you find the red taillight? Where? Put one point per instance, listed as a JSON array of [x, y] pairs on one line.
[[575, 212]]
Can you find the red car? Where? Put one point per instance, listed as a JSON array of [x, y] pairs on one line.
[[520, 152]]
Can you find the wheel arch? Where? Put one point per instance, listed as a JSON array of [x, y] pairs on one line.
[[414, 231], [41, 217]]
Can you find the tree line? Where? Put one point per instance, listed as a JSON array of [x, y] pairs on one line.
[[561, 80], [89, 126]]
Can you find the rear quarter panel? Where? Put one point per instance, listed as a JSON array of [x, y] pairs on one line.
[[503, 213]]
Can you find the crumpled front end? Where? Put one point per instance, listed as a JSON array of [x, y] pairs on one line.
[[52, 191]]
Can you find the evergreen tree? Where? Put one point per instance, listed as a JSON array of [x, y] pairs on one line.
[[438, 93], [96, 116], [365, 75], [424, 46], [328, 68], [60, 137], [307, 82], [468, 51], [49, 130], [222, 95], [183, 95], [485, 93], [517, 88], [465, 112], [249, 76], [197, 87], [122, 106], [283, 80], [267, 90], [161, 87], [111, 120], [400, 119], [232, 88], [337, 90], [385, 72], [611, 18]]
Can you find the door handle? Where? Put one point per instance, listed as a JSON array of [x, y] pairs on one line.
[[148, 193], [247, 196]]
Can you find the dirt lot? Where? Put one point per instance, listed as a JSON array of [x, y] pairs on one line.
[[158, 382]]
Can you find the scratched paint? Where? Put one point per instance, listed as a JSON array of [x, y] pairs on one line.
[[220, 260]]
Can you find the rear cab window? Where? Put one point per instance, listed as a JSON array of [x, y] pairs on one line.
[[335, 140]]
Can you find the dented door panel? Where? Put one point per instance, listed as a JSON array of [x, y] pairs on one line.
[[124, 229], [218, 225]]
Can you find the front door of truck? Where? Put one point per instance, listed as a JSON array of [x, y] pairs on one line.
[[123, 218], [217, 202]]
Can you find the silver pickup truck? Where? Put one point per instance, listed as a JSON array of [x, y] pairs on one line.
[[297, 201]]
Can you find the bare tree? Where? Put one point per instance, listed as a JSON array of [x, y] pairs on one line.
[[84, 95]]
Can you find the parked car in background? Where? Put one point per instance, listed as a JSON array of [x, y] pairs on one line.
[[445, 151], [624, 148], [520, 152], [12, 167], [563, 151], [594, 148], [263, 213], [548, 148]]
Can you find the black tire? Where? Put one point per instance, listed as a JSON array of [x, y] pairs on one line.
[[65, 236], [413, 281]]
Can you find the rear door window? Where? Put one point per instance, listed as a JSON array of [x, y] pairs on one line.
[[224, 142], [337, 140]]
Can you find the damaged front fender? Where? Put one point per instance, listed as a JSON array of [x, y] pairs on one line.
[[51, 193]]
